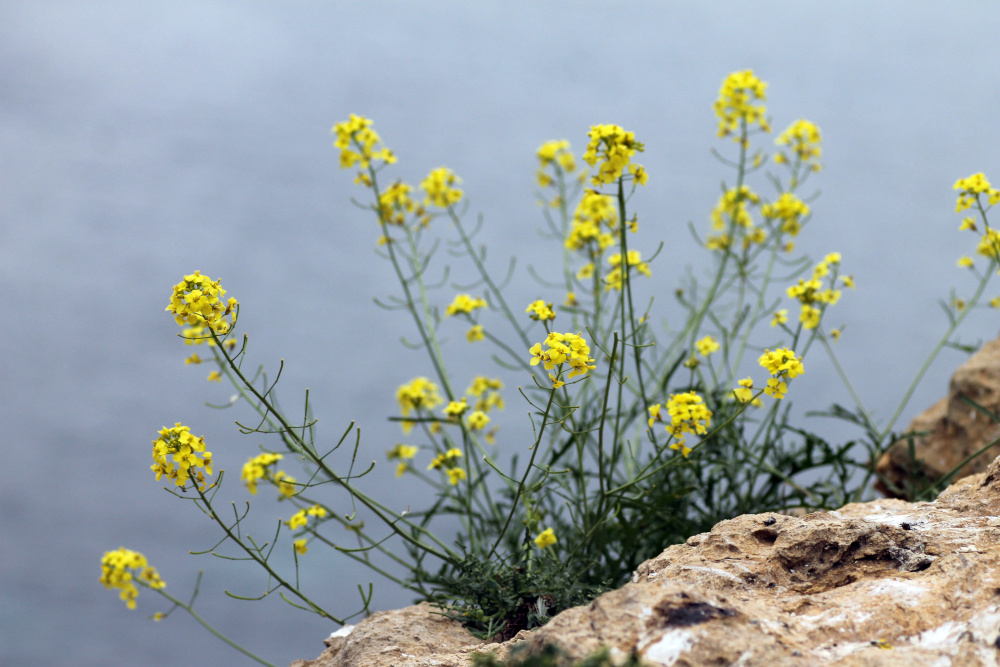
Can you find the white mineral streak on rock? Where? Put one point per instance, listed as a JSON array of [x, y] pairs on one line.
[[669, 648], [713, 570], [343, 632], [902, 592]]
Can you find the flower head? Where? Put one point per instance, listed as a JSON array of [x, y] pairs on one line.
[[554, 155], [540, 310], [782, 362], [463, 303], [735, 106], [546, 538], [440, 188], [197, 301], [613, 147], [181, 456], [258, 468], [594, 218], [419, 394], [803, 138], [707, 346], [122, 568], [969, 189], [571, 349], [359, 144]]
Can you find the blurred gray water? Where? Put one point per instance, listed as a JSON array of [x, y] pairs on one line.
[[142, 141]]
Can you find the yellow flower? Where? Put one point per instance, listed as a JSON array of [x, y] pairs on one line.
[[298, 520], [790, 210], [554, 154], [804, 139], [193, 359], [402, 452], [615, 276], [285, 482], [744, 394], [419, 393], [478, 420], [475, 333], [563, 348], [571, 298], [197, 301], [970, 188], [782, 362], [359, 144], [176, 455], [613, 147], [965, 262], [995, 302], [735, 107], [776, 388], [439, 186], [256, 468], [215, 376], [586, 271], [463, 303], [707, 346], [539, 310], [122, 568], [556, 383], [835, 334], [455, 475], [810, 316], [779, 317], [546, 538], [848, 281], [967, 223], [456, 408], [733, 206], [300, 546]]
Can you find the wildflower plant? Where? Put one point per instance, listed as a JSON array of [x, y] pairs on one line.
[[641, 435]]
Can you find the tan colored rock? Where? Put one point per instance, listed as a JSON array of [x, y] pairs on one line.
[[769, 590], [956, 429]]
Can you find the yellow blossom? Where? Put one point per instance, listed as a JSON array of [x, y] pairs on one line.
[[122, 568], [803, 138], [359, 144], [735, 106], [563, 348], [539, 310], [197, 301], [744, 394], [779, 317], [463, 303], [300, 546], [475, 334], [707, 346], [965, 262], [439, 186], [594, 214], [455, 475], [613, 147], [546, 538], [256, 468], [181, 456], [478, 420]]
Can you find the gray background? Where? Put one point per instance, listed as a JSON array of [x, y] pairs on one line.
[[141, 141]]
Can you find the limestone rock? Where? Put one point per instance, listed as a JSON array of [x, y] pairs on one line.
[[956, 429], [883, 583]]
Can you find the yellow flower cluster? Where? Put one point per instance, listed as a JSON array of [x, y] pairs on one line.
[[687, 413], [735, 106], [463, 303], [555, 155], [478, 420], [782, 364], [546, 538], [396, 202], [733, 205], [790, 210], [176, 455], [197, 301], [301, 518], [810, 292], [593, 210], [256, 468], [969, 189], [487, 393], [360, 144], [616, 276], [539, 310], [120, 569], [419, 393], [989, 244], [614, 148], [402, 453], [563, 348], [439, 186], [803, 138], [449, 463], [456, 409]]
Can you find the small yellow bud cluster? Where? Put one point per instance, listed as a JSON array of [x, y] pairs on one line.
[[360, 145]]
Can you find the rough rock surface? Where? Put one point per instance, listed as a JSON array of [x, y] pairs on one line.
[[956, 430], [882, 583]]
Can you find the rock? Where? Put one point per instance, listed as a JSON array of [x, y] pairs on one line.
[[882, 583], [956, 429]]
